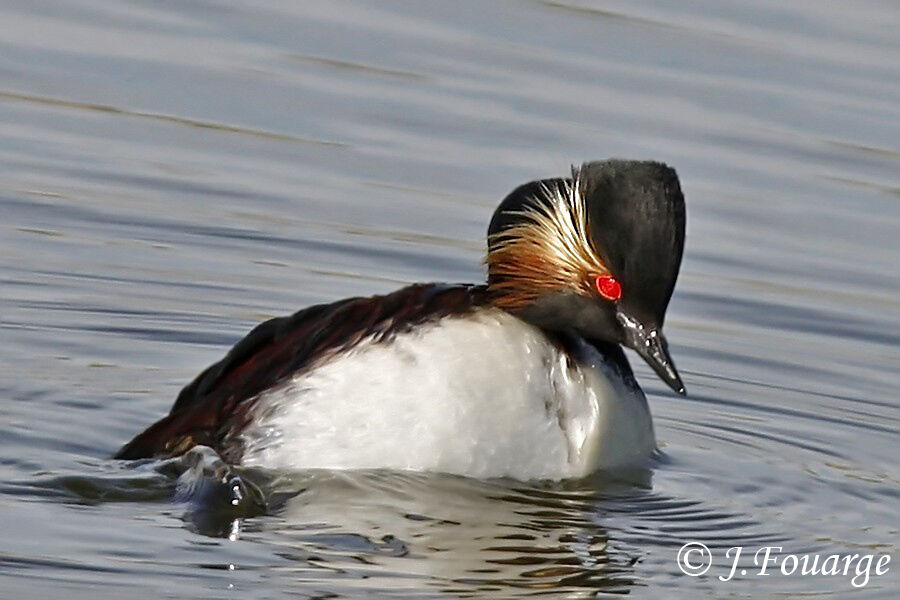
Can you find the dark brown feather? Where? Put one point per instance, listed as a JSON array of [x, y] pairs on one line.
[[214, 407]]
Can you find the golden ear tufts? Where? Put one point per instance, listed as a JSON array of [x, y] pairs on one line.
[[549, 250]]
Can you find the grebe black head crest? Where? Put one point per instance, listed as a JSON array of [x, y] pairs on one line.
[[596, 254]]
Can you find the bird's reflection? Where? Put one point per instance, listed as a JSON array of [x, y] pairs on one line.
[[410, 532]]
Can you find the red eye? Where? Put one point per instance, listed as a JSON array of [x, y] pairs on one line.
[[608, 287]]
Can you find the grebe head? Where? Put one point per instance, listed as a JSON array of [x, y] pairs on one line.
[[596, 254]]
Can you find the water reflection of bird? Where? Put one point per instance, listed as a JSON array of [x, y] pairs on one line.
[[522, 377], [460, 537]]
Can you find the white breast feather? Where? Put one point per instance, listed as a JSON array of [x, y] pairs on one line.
[[482, 395]]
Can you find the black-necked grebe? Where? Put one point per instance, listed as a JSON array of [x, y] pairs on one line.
[[522, 377]]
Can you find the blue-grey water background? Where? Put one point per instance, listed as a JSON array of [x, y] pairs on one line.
[[173, 173]]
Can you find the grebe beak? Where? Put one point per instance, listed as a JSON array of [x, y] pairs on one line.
[[651, 344]]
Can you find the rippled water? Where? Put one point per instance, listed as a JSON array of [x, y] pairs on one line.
[[173, 173]]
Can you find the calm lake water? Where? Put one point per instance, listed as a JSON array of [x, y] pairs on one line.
[[173, 173]]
